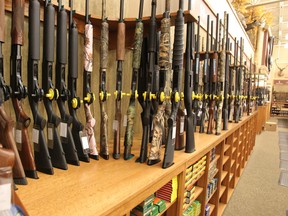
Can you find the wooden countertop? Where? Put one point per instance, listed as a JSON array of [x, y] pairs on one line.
[[110, 187]]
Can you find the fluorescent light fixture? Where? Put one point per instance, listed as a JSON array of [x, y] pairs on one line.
[[286, 46]]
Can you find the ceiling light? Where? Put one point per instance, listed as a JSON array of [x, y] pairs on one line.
[[281, 19], [286, 46], [280, 33], [286, 37]]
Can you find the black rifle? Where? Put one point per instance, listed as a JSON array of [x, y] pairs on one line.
[[232, 75], [239, 86], [213, 78], [158, 119], [146, 100], [42, 157], [103, 94], [226, 81], [249, 89], [61, 61], [128, 139], [196, 97], [177, 66], [120, 55], [88, 96], [205, 80], [188, 85], [74, 101]]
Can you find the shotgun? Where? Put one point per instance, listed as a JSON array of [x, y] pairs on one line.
[[196, 97], [74, 102], [188, 85], [226, 78], [221, 78], [138, 40], [205, 81], [164, 58], [61, 61], [249, 89], [88, 96], [120, 56], [213, 79], [232, 85], [41, 152], [239, 86], [177, 66], [244, 89], [103, 94], [147, 96], [19, 92]]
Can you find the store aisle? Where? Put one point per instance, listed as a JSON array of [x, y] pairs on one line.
[[258, 192]]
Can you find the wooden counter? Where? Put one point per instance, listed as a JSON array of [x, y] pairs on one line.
[[114, 187]]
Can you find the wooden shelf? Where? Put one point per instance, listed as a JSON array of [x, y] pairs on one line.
[[223, 175], [225, 159], [221, 208], [231, 176], [168, 205], [232, 162], [214, 192], [226, 147], [230, 192], [222, 189], [212, 207], [233, 150], [235, 139]]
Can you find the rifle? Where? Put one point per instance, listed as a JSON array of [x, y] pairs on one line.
[[196, 97], [221, 77], [164, 57], [226, 79], [205, 81], [42, 156], [120, 56], [19, 92], [244, 89], [147, 96], [177, 66], [103, 94], [61, 60], [74, 101], [249, 89], [213, 78], [188, 85], [232, 75], [88, 96], [138, 40], [239, 86]]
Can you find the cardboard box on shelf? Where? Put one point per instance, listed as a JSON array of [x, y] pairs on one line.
[[270, 126]]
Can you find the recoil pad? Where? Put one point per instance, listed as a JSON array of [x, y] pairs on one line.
[[49, 32], [73, 51], [34, 29], [62, 37]]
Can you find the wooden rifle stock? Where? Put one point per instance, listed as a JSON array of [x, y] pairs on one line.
[[7, 157]]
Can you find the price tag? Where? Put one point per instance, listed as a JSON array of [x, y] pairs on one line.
[[125, 121], [84, 142], [174, 132], [115, 125], [182, 125], [199, 113], [18, 136], [50, 134], [63, 129], [35, 136], [185, 112], [5, 197]]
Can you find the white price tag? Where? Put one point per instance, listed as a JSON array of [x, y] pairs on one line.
[[115, 125], [63, 129], [85, 144], [185, 112], [5, 197], [125, 121], [174, 132], [35, 136], [199, 113], [182, 125], [18, 136], [50, 133]]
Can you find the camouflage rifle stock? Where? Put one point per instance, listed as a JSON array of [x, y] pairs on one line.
[[74, 102], [226, 75], [147, 96], [88, 96], [61, 61], [120, 56], [177, 66], [55, 146], [205, 80], [19, 91], [103, 94], [232, 85], [213, 79], [41, 152], [221, 79], [138, 40], [164, 57], [188, 85]]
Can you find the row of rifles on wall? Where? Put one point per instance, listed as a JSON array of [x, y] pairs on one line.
[[213, 88]]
